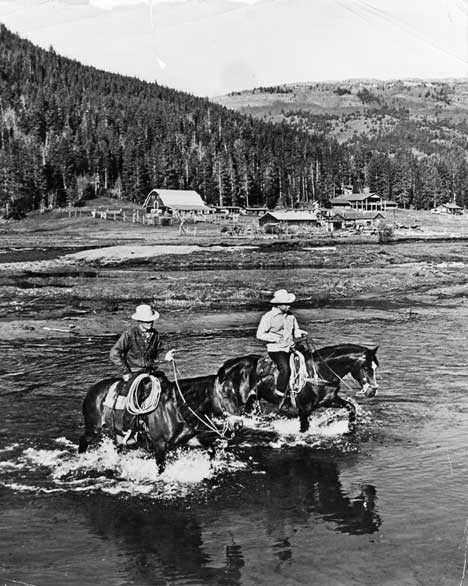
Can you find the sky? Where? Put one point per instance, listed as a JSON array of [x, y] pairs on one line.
[[212, 47]]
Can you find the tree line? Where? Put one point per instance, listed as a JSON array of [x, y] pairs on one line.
[[69, 132]]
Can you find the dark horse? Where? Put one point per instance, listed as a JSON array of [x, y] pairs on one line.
[[185, 409], [252, 377]]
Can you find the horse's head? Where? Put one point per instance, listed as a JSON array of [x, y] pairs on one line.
[[364, 371], [235, 383], [226, 403]]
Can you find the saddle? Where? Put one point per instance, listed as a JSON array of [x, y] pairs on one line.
[[116, 417], [298, 378]]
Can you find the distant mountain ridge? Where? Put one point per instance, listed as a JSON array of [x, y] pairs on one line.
[[436, 99], [410, 136]]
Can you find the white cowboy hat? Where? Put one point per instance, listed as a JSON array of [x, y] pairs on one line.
[[282, 297], [145, 313]]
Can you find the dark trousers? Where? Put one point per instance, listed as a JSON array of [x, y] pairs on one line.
[[281, 359]]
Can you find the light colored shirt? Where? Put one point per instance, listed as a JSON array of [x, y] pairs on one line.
[[279, 330]]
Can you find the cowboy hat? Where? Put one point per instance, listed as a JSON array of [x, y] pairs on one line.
[[145, 313], [282, 297]]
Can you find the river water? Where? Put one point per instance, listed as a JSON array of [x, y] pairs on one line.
[[387, 506]]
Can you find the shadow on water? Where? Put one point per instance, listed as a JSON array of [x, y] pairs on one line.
[[312, 487], [164, 542]]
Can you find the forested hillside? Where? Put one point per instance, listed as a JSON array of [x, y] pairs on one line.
[[68, 132], [406, 139]]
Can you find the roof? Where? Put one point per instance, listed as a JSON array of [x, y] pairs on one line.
[[354, 197], [179, 199], [452, 206], [340, 199], [284, 216], [356, 215]]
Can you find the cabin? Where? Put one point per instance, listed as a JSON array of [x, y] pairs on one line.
[[451, 209], [229, 211], [175, 202], [289, 218], [256, 211], [362, 201], [353, 219]]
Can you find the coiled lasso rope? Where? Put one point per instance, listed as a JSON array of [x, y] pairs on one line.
[[152, 400], [299, 374]]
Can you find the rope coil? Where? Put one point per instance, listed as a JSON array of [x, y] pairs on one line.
[[152, 400], [299, 375]]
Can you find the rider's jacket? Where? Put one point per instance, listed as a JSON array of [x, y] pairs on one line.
[[135, 350], [279, 330]]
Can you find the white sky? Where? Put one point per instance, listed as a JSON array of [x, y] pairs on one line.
[[210, 47]]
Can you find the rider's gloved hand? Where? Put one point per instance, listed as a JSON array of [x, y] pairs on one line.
[[169, 356], [126, 376]]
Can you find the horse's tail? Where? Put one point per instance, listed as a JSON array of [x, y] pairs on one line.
[[92, 409]]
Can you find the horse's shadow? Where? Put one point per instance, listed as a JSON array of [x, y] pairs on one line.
[[159, 540]]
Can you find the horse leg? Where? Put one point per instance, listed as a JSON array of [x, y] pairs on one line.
[[304, 420], [252, 404], [350, 408], [93, 423], [159, 450]]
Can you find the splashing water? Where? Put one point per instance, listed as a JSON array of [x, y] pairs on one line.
[[111, 471], [330, 425]]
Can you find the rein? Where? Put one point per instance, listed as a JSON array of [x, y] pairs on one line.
[[316, 377], [208, 423]]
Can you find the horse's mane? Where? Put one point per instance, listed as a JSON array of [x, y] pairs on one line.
[[334, 353], [338, 350], [249, 359], [195, 390]]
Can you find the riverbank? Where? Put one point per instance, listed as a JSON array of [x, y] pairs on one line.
[[70, 276]]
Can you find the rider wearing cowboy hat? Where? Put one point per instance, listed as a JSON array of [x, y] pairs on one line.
[[279, 328], [138, 347]]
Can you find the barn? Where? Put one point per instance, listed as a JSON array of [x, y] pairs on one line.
[[175, 202]]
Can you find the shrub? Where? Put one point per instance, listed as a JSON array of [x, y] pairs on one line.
[[385, 232]]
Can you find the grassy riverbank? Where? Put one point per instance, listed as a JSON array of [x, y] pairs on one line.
[[80, 276]]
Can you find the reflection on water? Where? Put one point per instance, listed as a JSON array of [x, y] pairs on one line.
[[388, 504]]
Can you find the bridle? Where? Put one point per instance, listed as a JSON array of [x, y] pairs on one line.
[[205, 420], [341, 380]]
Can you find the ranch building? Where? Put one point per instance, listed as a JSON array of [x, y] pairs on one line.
[[256, 211], [289, 218], [229, 211], [175, 202], [452, 209], [352, 219], [366, 201]]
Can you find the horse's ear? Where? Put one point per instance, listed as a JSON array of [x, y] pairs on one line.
[[374, 351], [374, 355]]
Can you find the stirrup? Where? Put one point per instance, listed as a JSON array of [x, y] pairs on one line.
[[127, 439], [286, 401]]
